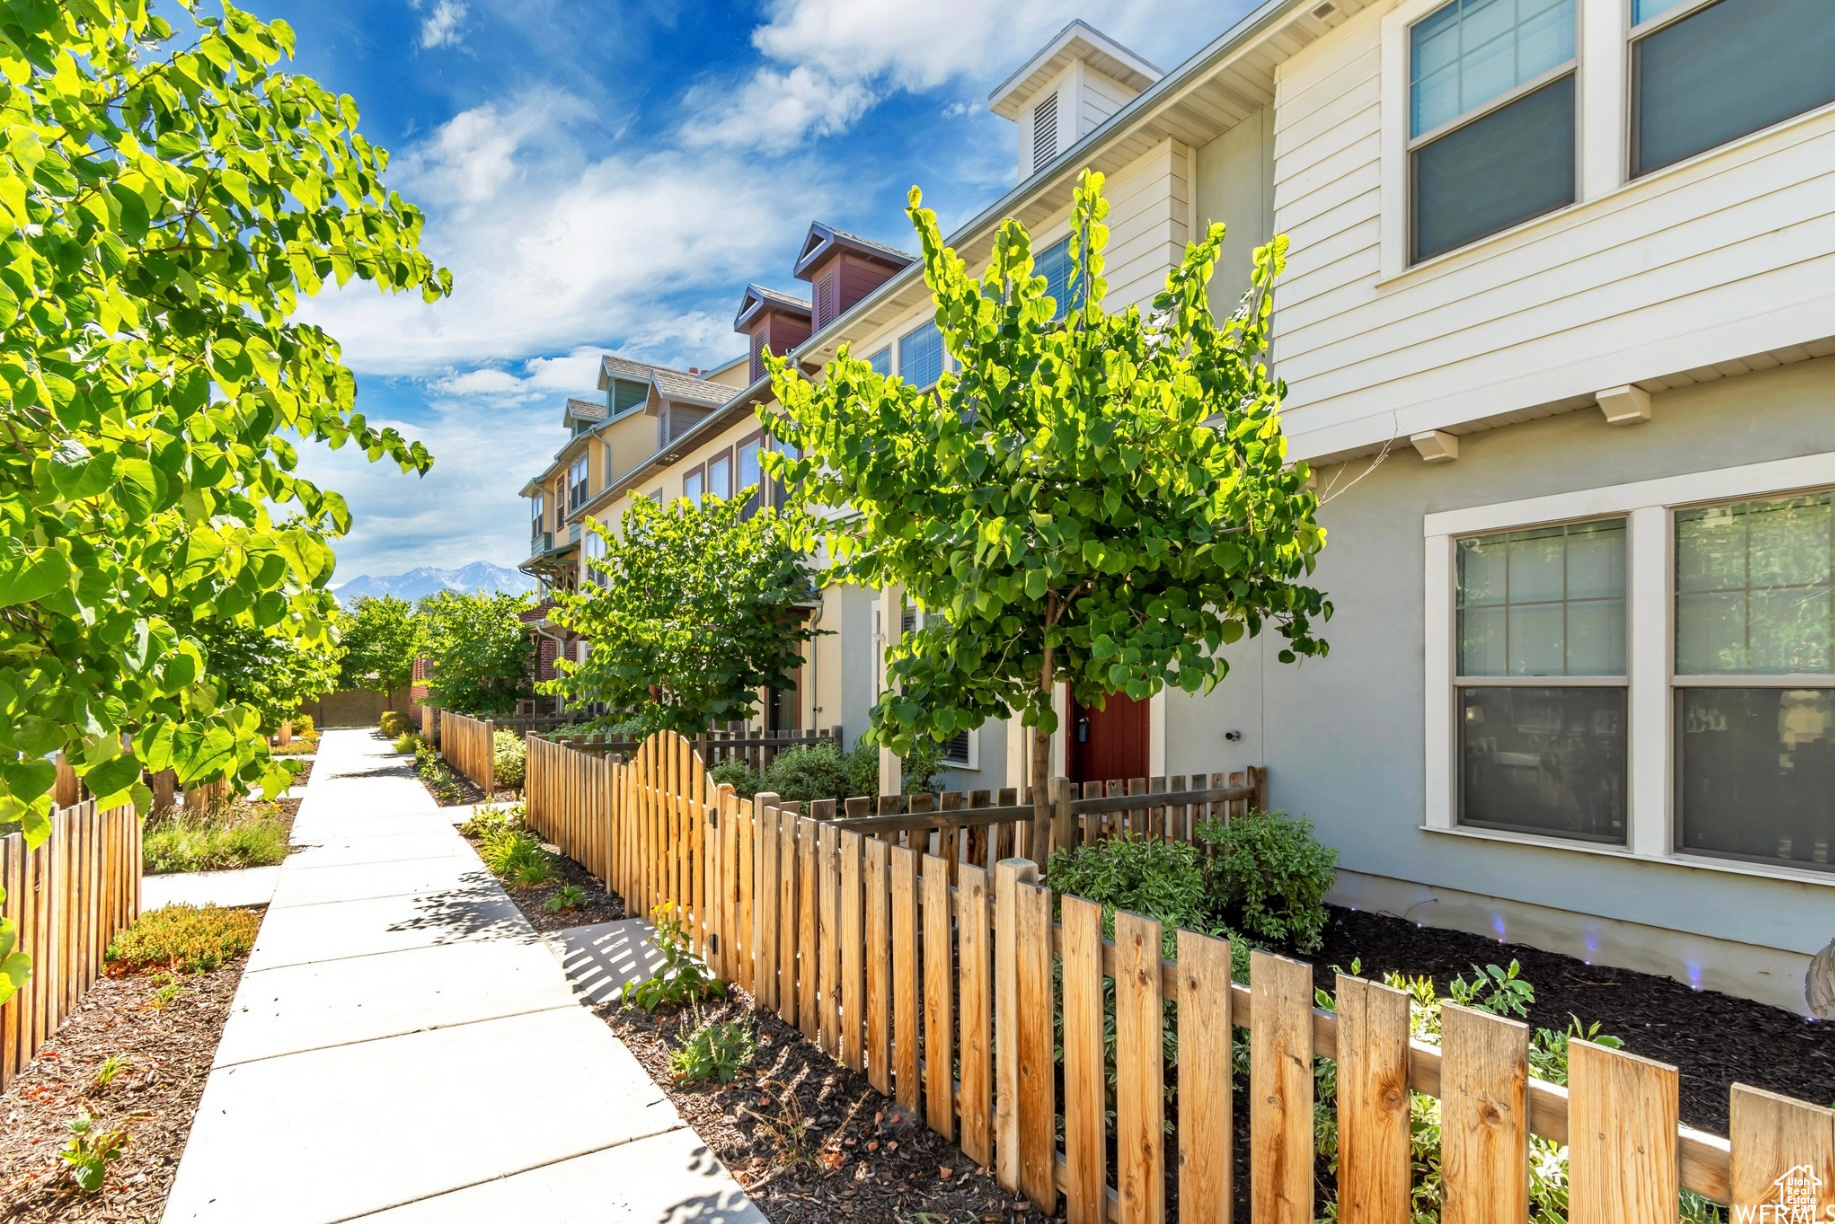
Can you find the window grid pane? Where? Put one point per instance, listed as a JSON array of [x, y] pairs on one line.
[[1755, 774], [1471, 51], [1544, 760], [1753, 587], [920, 355], [1544, 602]]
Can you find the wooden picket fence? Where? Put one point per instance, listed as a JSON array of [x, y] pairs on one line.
[[754, 747], [69, 897], [914, 948], [468, 745]]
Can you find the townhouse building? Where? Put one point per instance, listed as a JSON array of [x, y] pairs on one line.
[[1558, 331]]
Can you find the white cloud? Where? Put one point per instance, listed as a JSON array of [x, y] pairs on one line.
[[775, 111], [440, 28], [543, 379], [550, 249], [833, 60], [467, 508]]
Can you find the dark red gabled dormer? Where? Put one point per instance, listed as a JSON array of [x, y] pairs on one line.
[[842, 268], [773, 320]]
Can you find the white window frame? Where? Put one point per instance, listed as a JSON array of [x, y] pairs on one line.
[[1397, 143], [1649, 507]]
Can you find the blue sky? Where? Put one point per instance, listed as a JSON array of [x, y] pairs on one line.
[[605, 176]]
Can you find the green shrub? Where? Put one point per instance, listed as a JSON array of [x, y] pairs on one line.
[[1142, 875], [516, 855], [918, 769], [303, 725], [737, 774], [508, 757], [683, 977], [408, 743], [1266, 875], [183, 938], [805, 774], [490, 818], [395, 723], [215, 839], [862, 762], [718, 1050]]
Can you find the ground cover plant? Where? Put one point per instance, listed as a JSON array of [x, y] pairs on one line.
[[442, 780], [246, 833], [183, 939], [682, 978], [570, 896], [716, 1050]]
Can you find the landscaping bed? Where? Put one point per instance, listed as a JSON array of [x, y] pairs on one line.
[[1712, 1039], [162, 1027], [223, 838], [809, 1140], [542, 903]]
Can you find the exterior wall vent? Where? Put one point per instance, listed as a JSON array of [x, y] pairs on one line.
[[1044, 131]]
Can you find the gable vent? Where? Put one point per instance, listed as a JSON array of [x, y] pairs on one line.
[[1044, 132]]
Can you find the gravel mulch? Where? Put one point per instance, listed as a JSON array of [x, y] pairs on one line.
[[599, 906], [811, 1141], [168, 1051], [1712, 1039]]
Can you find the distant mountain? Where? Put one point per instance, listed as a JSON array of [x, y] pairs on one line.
[[423, 580]]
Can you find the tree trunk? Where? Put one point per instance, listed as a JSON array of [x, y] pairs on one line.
[[1040, 781]]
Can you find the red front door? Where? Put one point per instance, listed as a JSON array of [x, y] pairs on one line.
[[1111, 742]]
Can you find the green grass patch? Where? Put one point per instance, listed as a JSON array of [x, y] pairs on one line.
[[183, 939], [232, 835]]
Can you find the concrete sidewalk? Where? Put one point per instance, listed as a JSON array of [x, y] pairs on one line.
[[404, 1047]]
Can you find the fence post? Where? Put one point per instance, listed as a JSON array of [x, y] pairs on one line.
[[1063, 831], [488, 766], [1008, 875]]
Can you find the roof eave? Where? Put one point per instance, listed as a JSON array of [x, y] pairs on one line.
[[1230, 41]]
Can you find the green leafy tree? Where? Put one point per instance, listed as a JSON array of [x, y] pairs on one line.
[[166, 197], [1100, 500], [696, 612], [481, 652], [274, 670], [381, 636]]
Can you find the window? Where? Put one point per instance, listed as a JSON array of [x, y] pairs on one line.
[[751, 474], [1754, 706], [720, 476], [1044, 131], [920, 354], [592, 548], [537, 512], [1490, 118], [1704, 74], [693, 484], [1541, 687], [1054, 264], [576, 484], [882, 361]]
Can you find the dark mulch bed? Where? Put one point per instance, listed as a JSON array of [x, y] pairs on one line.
[[1713, 1039], [600, 905], [811, 1141], [168, 1051]]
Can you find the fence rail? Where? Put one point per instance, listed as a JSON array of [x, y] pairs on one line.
[[469, 746], [756, 748], [908, 956], [69, 897]]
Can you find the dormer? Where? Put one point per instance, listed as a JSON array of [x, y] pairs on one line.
[[773, 320], [842, 268], [626, 384], [581, 415], [1063, 93]]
